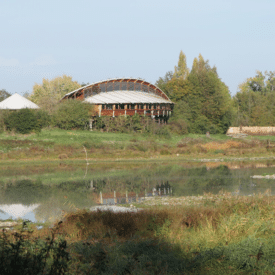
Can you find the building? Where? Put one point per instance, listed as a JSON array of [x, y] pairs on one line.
[[125, 96]]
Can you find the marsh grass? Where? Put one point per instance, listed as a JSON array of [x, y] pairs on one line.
[[63, 144], [221, 234]]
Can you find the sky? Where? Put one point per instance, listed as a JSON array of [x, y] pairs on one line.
[[96, 40]]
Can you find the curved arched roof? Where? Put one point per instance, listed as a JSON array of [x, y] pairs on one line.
[[120, 90]]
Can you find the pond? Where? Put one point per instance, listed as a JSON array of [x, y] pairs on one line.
[[41, 193]]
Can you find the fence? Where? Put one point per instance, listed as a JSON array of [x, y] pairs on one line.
[[118, 198]]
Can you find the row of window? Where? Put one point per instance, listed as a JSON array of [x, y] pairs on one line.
[[118, 86], [132, 106]]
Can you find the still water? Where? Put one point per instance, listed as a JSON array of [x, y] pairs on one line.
[[41, 193]]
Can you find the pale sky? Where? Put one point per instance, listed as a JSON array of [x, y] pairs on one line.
[[96, 40]]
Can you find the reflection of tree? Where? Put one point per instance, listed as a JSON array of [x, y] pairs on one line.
[[25, 192], [203, 180], [48, 211], [67, 197]]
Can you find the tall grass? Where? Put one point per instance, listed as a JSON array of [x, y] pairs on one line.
[[222, 234], [63, 144]]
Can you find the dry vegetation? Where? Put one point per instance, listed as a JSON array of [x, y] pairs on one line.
[[192, 235], [62, 145]]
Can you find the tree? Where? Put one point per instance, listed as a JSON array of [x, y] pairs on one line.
[[4, 94], [47, 94], [210, 98], [203, 101], [255, 100], [162, 82], [181, 71]]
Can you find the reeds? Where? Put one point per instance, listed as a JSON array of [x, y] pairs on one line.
[[232, 234]]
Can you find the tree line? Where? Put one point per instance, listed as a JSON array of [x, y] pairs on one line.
[[202, 100]]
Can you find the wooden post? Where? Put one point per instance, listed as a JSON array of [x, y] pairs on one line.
[[127, 200], [92, 185], [101, 199]]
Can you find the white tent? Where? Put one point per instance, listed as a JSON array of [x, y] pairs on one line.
[[16, 102]]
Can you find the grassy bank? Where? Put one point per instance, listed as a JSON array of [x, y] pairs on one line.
[[209, 234], [72, 145]]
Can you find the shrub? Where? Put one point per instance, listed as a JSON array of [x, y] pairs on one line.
[[23, 121], [26, 256], [43, 118], [2, 124], [179, 127], [72, 114], [163, 131]]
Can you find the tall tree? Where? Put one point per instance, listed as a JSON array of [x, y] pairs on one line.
[[4, 94], [162, 82], [181, 71], [209, 99], [47, 94], [255, 100]]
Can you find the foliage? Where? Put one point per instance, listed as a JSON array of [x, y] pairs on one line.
[[71, 114], [203, 101], [255, 101], [47, 94], [2, 123], [24, 121], [4, 94], [25, 256], [132, 124], [181, 71]]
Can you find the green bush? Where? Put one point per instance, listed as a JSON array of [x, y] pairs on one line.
[[23, 121], [71, 114], [25, 256], [179, 126], [2, 124], [43, 118]]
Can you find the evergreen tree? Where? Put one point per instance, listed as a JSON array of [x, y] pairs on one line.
[[209, 99], [181, 71]]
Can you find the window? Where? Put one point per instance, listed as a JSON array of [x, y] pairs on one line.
[[116, 86], [137, 87], [110, 87], [123, 86], [103, 87], [131, 86], [95, 90], [144, 88]]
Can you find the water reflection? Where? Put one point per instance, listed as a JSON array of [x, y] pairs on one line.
[[44, 195]]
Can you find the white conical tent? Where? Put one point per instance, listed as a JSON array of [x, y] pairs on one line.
[[16, 102]]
